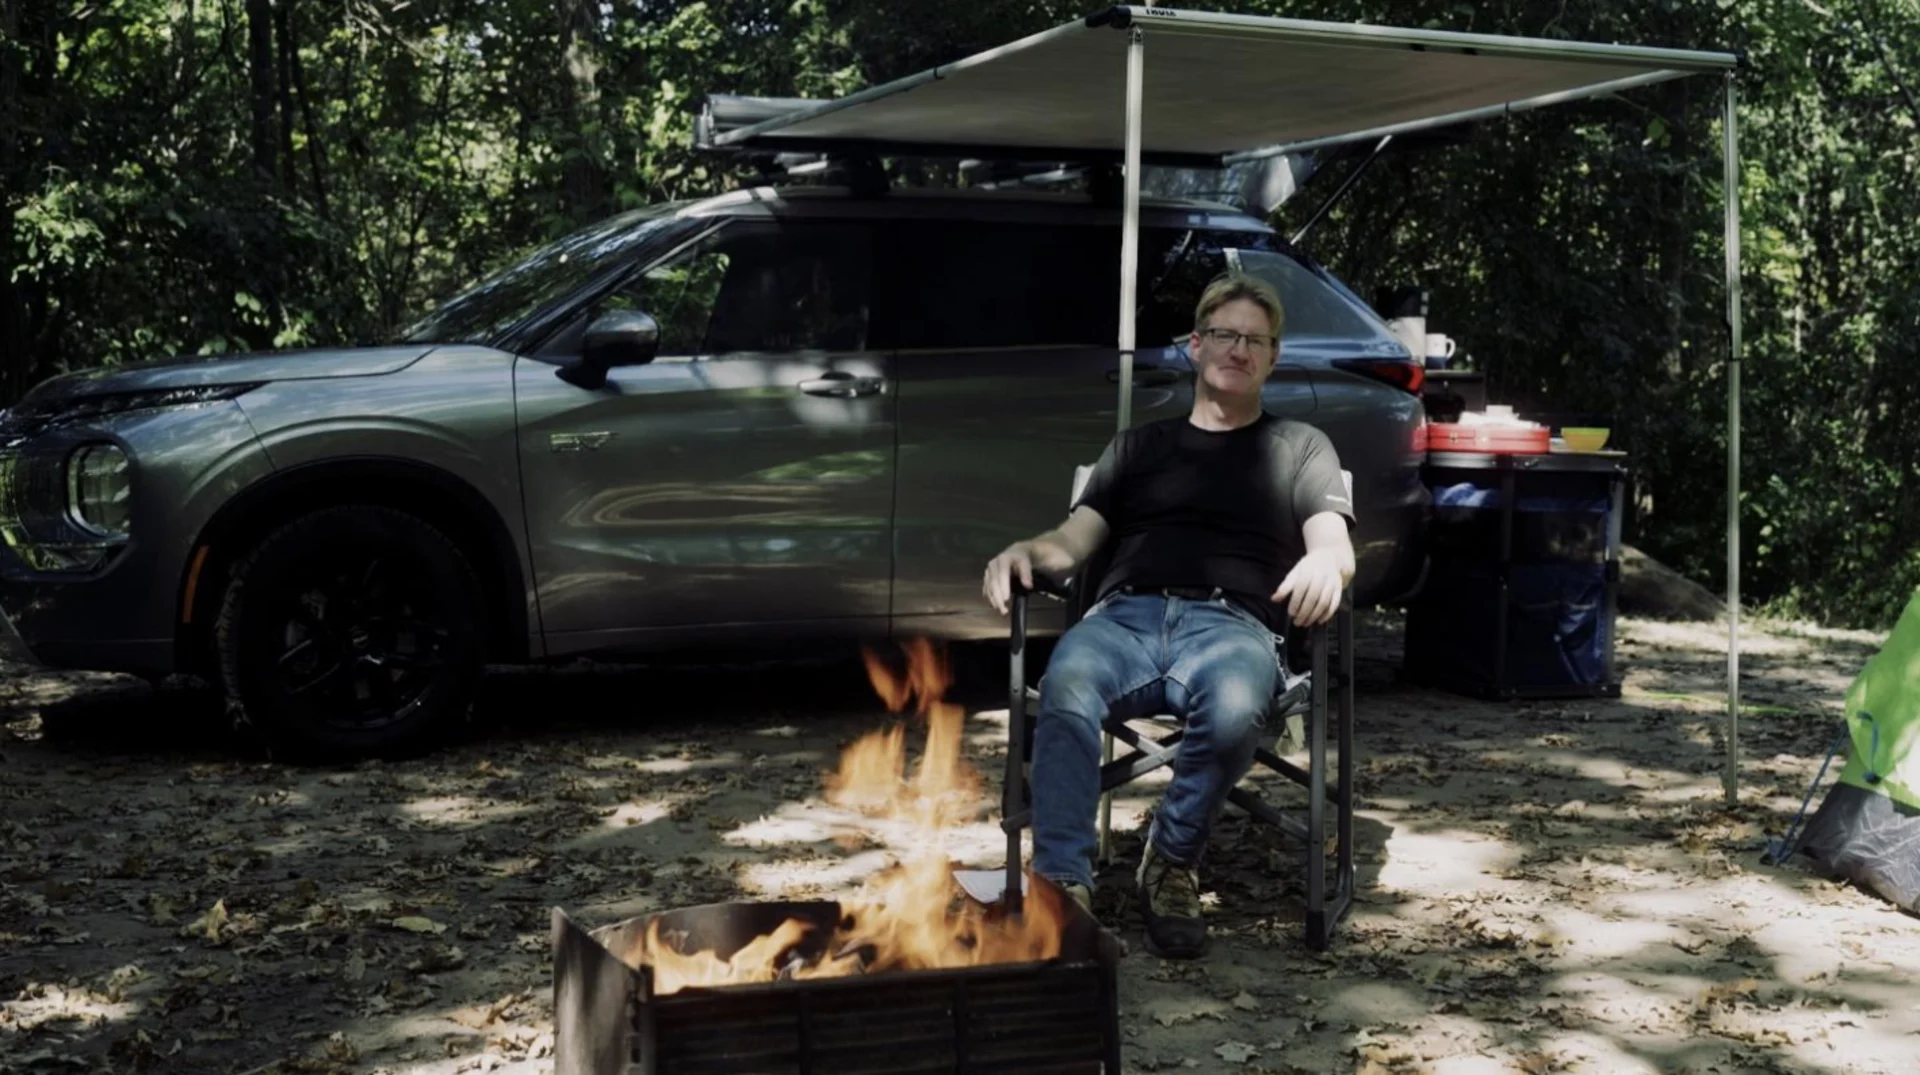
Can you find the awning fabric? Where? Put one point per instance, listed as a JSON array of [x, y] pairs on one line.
[[1217, 86]]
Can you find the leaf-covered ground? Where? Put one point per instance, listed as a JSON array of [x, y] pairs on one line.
[[1545, 887]]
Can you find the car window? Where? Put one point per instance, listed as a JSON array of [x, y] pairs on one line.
[[681, 296], [491, 309], [958, 284], [974, 284], [1312, 307], [759, 287], [1176, 265]]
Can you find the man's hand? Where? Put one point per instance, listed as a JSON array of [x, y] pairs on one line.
[[1312, 588], [1016, 561]]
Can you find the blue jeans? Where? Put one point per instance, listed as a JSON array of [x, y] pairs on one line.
[[1139, 655]]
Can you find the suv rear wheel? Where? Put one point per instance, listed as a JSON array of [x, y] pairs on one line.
[[351, 631]]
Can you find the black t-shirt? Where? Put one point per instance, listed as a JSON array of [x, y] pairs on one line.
[[1193, 507]]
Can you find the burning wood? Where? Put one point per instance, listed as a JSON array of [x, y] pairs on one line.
[[911, 916]]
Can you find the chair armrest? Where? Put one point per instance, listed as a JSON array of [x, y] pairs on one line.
[[1042, 585]]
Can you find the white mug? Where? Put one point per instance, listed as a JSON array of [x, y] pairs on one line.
[[1439, 351]]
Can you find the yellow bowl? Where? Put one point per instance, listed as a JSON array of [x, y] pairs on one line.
[[1585, 438]]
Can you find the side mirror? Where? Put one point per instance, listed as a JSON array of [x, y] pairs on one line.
[[616, 338]]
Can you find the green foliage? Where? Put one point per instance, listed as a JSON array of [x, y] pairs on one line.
[[1576, 252]]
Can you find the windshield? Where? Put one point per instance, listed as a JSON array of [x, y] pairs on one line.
[[482, 313]]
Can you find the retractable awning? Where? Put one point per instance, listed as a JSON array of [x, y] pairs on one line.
[[1219, 88], [1143, 85]]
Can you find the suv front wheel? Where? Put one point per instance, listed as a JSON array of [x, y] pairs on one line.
[[351, 631]]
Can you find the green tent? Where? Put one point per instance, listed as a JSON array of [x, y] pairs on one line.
[[1868, 828]]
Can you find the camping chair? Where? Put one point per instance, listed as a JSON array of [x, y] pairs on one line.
[[1297, 697]]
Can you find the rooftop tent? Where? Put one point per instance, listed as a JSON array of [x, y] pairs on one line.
[[1138, 86]]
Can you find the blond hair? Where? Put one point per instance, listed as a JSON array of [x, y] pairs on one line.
[[1231, 287]]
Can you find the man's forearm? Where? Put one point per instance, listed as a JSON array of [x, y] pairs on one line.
[[1053, 552], [1326, 535]]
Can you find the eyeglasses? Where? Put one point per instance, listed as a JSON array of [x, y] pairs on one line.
[[1226, 337]]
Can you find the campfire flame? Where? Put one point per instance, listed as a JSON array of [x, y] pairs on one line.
[[909, 917]]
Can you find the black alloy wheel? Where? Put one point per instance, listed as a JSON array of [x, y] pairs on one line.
[[349, 632]]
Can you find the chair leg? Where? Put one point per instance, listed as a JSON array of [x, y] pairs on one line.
[[1344, 802], [1324, 910], [1318, 934], [1104, 854]]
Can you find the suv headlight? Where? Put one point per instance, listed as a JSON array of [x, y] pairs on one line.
[[66, 507], [100, 490]]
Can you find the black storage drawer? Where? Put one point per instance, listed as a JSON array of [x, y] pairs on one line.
[[1523, 575]]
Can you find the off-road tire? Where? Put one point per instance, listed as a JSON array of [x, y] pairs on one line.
[[432, 592]]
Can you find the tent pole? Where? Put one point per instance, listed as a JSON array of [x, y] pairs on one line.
[[1731, 780], [1129, 282]]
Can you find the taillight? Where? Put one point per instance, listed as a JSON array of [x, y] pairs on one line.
[[1401, 374]]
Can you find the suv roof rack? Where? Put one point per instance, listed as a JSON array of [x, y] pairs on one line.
[[857, 160]]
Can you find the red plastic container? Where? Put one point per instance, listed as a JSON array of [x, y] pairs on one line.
[[1512, 440]]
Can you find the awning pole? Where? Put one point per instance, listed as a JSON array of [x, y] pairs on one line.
[[1731, 779], [1130, 223], [1129, 259]]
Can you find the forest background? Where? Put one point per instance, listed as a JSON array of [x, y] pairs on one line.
[[200, 176]]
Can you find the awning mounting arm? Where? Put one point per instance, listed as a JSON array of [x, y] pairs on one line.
[[1340, 191]]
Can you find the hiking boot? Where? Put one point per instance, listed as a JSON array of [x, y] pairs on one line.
[[1170, 903], [1080, 894]]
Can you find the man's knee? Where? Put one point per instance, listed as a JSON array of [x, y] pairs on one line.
[[1235, 694], [1081, 678], [1075, 686]]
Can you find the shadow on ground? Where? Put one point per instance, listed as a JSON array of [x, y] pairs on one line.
[[1544, 887]]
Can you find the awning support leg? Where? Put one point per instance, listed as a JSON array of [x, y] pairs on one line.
[[1730, 126], [1129, 283]]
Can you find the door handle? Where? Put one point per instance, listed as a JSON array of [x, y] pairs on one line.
[[1147, 376], [840, 384]]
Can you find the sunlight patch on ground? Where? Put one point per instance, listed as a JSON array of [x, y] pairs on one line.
[[795, 823], [1592, 940], [1578, 1051], [1444, 861], [672, 765], [795, 878], [454, 811], [642, 812], [47, 1006]]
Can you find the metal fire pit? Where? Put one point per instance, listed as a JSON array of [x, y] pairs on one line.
[[1055, 1016]]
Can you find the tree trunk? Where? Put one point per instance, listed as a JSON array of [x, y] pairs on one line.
[[260, 72], [14, 354], [316, 153], [1675, 231], [283, 82], [583, 184]]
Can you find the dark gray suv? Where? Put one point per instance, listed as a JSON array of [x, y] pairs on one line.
[[774, 413]]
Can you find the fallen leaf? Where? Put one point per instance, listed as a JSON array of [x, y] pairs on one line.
[[1235, 1052], [208, 925], [1728, 991], [1245, 1002], [340, 1050], [414, 923], [1535, 1063]]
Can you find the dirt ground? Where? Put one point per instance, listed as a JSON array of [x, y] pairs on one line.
[[1543, 887]]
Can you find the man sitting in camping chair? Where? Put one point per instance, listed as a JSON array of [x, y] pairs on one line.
[[1215, 519]]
